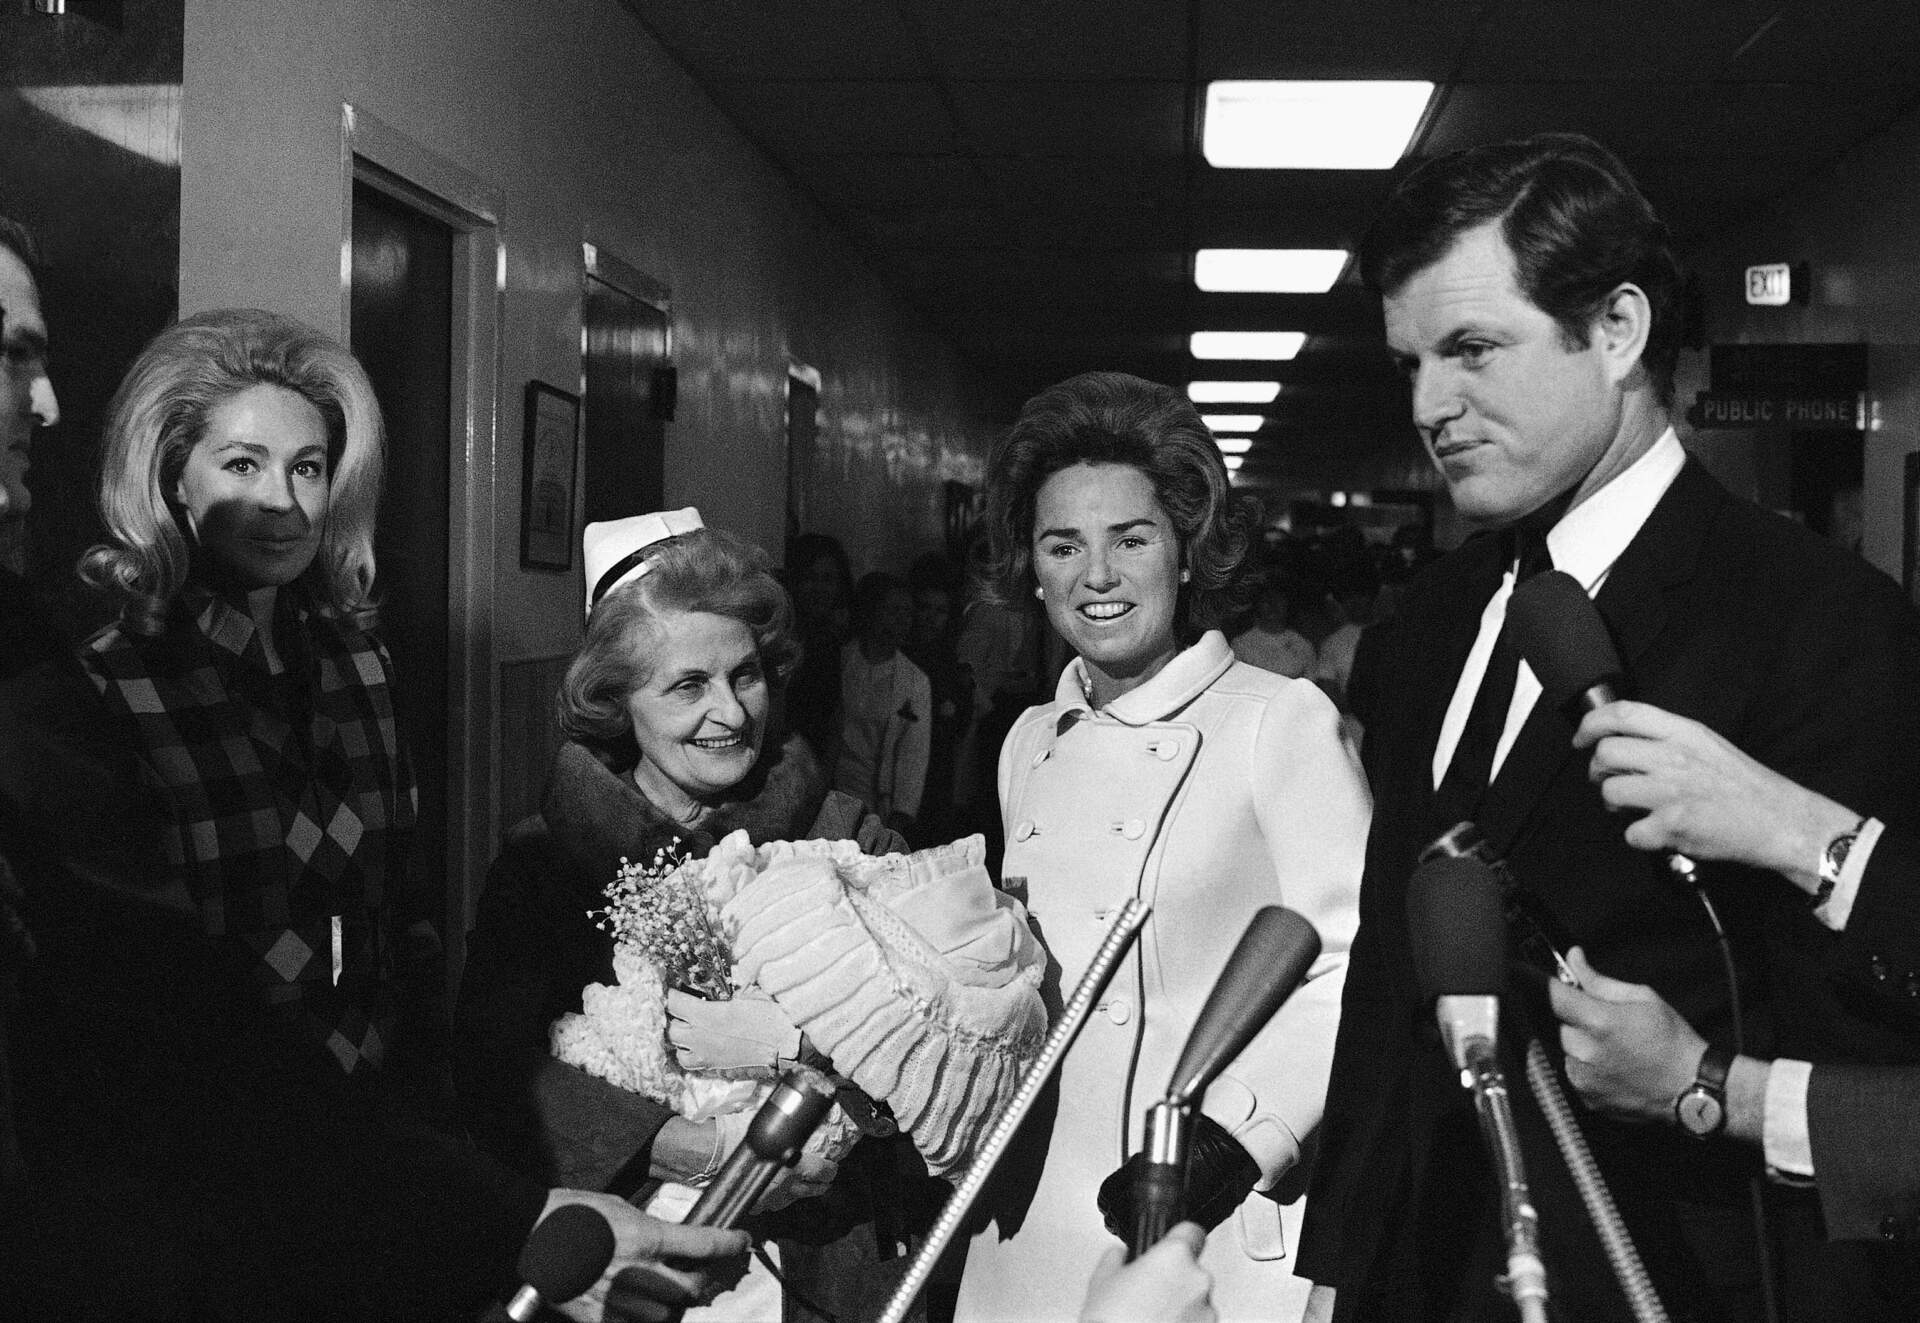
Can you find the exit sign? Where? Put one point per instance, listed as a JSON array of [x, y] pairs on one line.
[[1776, 284]]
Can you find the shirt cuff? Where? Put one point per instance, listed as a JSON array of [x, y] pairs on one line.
[[1788, 1148], [1839, 905]]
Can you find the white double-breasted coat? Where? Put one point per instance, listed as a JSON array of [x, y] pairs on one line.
[[1209, 791]]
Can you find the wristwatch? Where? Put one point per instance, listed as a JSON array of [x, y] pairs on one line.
[[1832, 861], [1701, 1108]]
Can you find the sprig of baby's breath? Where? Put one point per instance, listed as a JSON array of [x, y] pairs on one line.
[[657, 909]]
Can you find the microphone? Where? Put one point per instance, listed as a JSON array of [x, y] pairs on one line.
[[1564, 640], [563, 1257], [1272, 957], [1459, 961], [783, 1124]]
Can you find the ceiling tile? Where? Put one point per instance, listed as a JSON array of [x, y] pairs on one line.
[[1124, 120], [834, 39]]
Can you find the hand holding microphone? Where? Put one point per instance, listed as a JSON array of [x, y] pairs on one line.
[[1629, 1053], [1190, 1166], [1563, 638], [1164, 1285], [1702, 796], [594, 1256]]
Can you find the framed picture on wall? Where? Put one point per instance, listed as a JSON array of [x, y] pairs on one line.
[[551, 442]]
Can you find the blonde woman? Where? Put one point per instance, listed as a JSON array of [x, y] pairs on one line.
[[237, 1088]]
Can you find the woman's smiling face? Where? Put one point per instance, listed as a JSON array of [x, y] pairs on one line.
[[700, 714], [1108, 561]]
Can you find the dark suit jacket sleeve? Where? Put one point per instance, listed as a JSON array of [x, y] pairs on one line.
[[1883, 930], [1864, 1122], [1841, 714]]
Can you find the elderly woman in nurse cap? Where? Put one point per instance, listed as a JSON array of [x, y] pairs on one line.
[[666, 712]]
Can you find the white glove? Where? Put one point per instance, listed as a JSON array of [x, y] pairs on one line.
[[748, 1032]]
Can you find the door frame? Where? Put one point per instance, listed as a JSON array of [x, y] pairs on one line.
[[382, 157]]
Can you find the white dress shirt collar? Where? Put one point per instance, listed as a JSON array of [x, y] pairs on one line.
[[1585, 543], [1590, 537]]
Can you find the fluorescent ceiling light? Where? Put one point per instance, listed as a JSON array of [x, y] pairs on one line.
[[1233, 422], [1234, 445], [1233, 392], [1314, 125], [1233, 462], [1268, 270], [1270, 346]]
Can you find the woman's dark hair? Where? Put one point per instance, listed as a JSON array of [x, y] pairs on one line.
[[1577, 225], [705, 570], [1113, 418]]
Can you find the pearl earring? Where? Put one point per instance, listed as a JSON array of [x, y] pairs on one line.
[[1040, 592], [1185, 575]]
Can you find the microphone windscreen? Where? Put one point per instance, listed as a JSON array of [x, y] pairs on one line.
[[1562, 636], [1458, 927], [1272, 957], [567, 1252]]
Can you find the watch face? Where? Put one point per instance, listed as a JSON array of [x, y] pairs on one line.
[[1700, 1112]]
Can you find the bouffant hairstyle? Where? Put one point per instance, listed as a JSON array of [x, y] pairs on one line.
[[1113, 418], [705, 570], [160, 413], [1573, 217]]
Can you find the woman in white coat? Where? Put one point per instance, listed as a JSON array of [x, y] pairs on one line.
[[1162, 769]]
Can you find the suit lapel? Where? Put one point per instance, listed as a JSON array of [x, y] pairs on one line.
[[1634, 603]]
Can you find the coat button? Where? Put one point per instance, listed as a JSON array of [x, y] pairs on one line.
[[1042, 756], [1133, 829], [1877, 966], [1889, 1228], [1023, 829], [1120, 1012], [1165, 750]]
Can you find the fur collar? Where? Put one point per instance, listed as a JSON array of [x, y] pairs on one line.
[[597, 816]]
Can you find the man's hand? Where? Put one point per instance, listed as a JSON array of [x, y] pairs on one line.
[[658, 1268], [748, 1031], [1628, 1053], [1703, 797], [1164, 1285]]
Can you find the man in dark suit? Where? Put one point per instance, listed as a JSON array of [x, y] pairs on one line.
[[1531, 296]]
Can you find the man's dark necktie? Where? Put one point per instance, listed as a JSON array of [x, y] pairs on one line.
[[1465, 782]]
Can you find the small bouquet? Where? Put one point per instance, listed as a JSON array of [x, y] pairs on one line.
[[911, 972]]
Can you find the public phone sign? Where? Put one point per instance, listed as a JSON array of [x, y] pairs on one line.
[[1770, 285]]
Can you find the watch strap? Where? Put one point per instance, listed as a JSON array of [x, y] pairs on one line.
[[1711, 1074], [1833, 862], [1709, 1086]]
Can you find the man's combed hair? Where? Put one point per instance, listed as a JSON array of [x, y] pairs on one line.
[[1113, 418], [160, 413], [705, 570], [1573, 217]]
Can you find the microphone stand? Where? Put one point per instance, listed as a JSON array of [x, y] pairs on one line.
[[1526, 1278], [1120, 934]]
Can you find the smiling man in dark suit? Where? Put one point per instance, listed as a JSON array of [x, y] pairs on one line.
[[1532, 298]]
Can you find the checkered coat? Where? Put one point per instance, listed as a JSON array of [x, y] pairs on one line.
[[289, 799]]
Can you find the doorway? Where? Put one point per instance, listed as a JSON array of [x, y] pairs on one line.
[[400, 315], [626, 400], [421, 306]]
